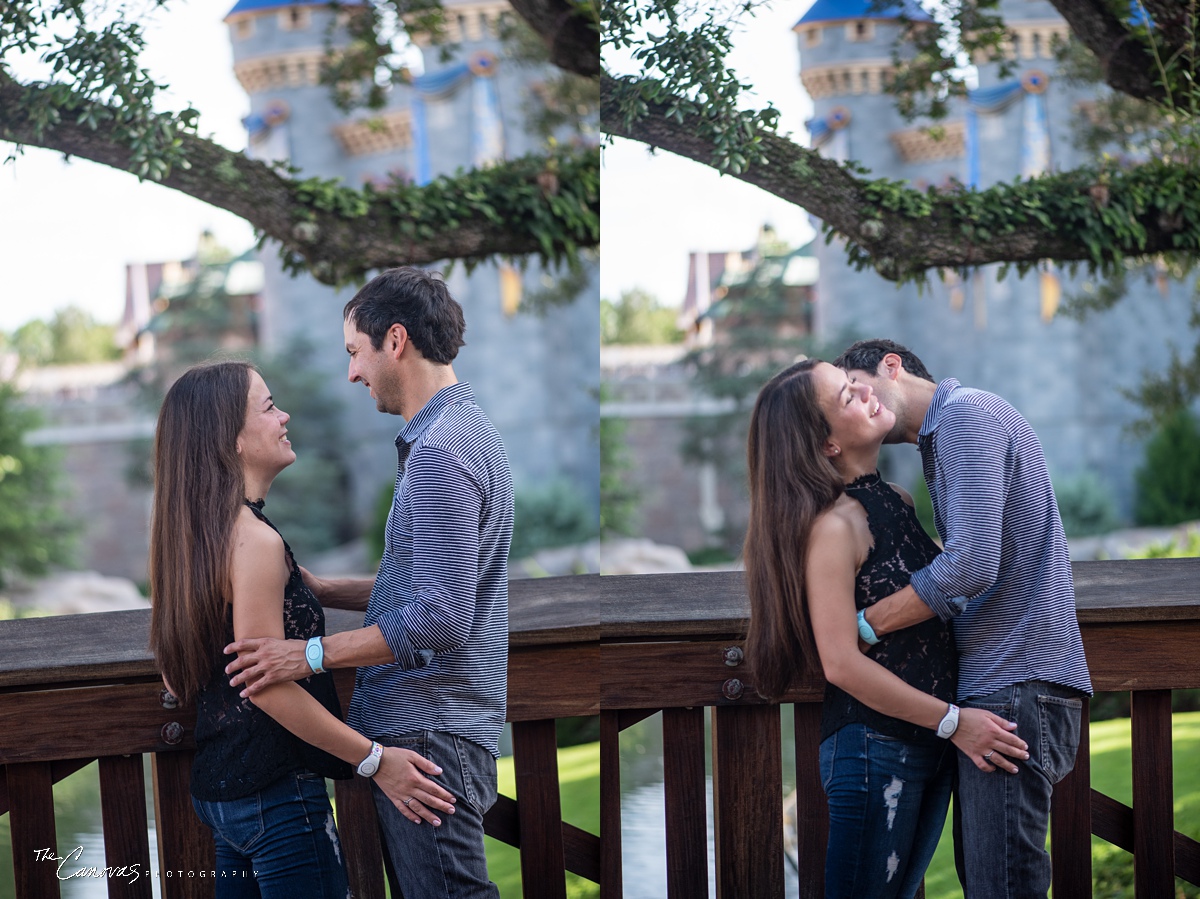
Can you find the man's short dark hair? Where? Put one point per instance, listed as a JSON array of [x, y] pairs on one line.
[[867, 354], [417, 299]]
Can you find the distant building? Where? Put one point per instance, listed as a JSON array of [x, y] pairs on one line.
[[535, 375], [1065, 376]]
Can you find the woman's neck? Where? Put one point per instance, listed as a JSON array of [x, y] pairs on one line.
[[852, 466]]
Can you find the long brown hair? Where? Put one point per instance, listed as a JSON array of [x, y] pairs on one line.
[[198, 491], [791, 483]]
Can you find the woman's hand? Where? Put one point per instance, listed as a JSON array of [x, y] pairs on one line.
[[415, 795], [988, 740]]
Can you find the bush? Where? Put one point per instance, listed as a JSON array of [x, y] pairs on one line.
[[1169, 480], [555, 514], [1086, 505]]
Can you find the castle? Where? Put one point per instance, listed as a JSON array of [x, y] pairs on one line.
[[536, 375], [1065, 376]]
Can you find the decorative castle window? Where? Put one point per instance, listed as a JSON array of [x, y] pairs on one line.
[[295, 18], [860, 30], [812, 37], [243, 29]]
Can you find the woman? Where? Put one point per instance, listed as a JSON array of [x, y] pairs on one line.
[[827, 536], [220, 570]]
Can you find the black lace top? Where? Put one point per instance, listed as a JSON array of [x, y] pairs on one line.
[[239, 748], [923, 655]]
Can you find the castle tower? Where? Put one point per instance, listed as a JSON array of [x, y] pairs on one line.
[[535, 375], [1002, 336]]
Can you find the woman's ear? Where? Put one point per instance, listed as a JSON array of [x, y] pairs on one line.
[[831, 449]]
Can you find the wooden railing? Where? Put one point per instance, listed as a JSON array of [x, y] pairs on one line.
[[673, 643], [81, 688]]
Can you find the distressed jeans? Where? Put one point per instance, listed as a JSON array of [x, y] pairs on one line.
[[1000, 819], [445, 862], [279, 842], [887, 807]]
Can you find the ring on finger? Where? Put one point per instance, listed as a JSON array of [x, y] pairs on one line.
[[408, 800], [987, 757]]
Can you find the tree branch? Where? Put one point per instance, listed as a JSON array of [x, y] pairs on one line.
[[535, 205], [572, 39], [1127, 66], [1076, 216]]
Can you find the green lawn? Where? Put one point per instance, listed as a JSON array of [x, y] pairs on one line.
[[1112, 868], [579, 781]]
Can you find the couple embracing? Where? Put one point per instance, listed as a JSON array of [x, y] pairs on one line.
[[954, 669], [237, 624]]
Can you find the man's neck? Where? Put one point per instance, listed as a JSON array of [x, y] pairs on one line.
[[427, 381], [920, 398]]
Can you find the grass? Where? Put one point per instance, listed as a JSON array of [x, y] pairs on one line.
[[1112, 868], [579, 783]]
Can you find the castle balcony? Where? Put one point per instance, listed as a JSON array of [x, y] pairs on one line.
[[75, 689], [80, 688]]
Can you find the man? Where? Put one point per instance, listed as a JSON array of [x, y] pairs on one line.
[[432, 656], [1004, 577]]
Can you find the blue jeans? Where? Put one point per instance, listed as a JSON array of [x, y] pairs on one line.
[[1000, 819], [278, 842], [445, 862], [887, 806]]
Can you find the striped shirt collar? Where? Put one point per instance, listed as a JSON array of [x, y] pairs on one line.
[[945, 387], [450, 395]]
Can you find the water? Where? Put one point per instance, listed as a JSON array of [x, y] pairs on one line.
[[643, 811]]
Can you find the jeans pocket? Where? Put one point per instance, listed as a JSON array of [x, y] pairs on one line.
[[1058, 723], [239, 822], [478, 774]]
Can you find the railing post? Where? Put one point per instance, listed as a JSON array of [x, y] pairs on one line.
[[686, 803], [358, 829], [31, 819], [611, 886], [539, 810], [184, 843], [123, 808], [1071, 822], [1153, 802], [748, 801], [812, 818]]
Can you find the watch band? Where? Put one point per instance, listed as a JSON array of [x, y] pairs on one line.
[[314, 654], [865, 631], [949, 723], [368, 766]]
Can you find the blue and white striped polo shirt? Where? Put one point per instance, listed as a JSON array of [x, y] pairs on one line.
[[1004, 575], [441, 593]]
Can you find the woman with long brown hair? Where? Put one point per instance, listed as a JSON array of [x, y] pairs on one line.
[[218, 570], [828, 537]]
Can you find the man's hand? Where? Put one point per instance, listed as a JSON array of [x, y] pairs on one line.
[[262, 661], [988, 740], [415, 795]]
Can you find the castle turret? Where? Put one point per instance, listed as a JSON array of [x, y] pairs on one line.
[[535, 375]]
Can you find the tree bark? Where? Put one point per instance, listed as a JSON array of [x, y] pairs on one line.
[[572, 40]]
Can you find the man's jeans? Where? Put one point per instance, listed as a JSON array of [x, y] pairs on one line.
[[887, 806], [1000, 819], [445, 862], [278, 842]]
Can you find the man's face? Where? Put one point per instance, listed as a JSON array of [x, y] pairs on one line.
[[888, 392], [376, 369]]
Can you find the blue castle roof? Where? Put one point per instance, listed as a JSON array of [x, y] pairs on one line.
[[839, 10], [245, 6]]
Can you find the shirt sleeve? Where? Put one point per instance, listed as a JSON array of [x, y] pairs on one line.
[[972, 478], [446, 502]]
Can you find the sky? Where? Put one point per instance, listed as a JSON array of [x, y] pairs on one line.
[[67, 229], [655, 209]]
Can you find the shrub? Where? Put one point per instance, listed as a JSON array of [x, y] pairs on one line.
[[1169, 479], [555, 514], [1086, 505]]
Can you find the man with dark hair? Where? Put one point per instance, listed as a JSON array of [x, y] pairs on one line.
[[1004, 578], [432, 657]]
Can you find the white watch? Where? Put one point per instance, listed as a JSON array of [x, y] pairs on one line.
[[368, 766], [949, 723]]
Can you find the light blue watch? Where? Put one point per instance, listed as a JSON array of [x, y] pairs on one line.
[[314, 654], [865, 630]]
